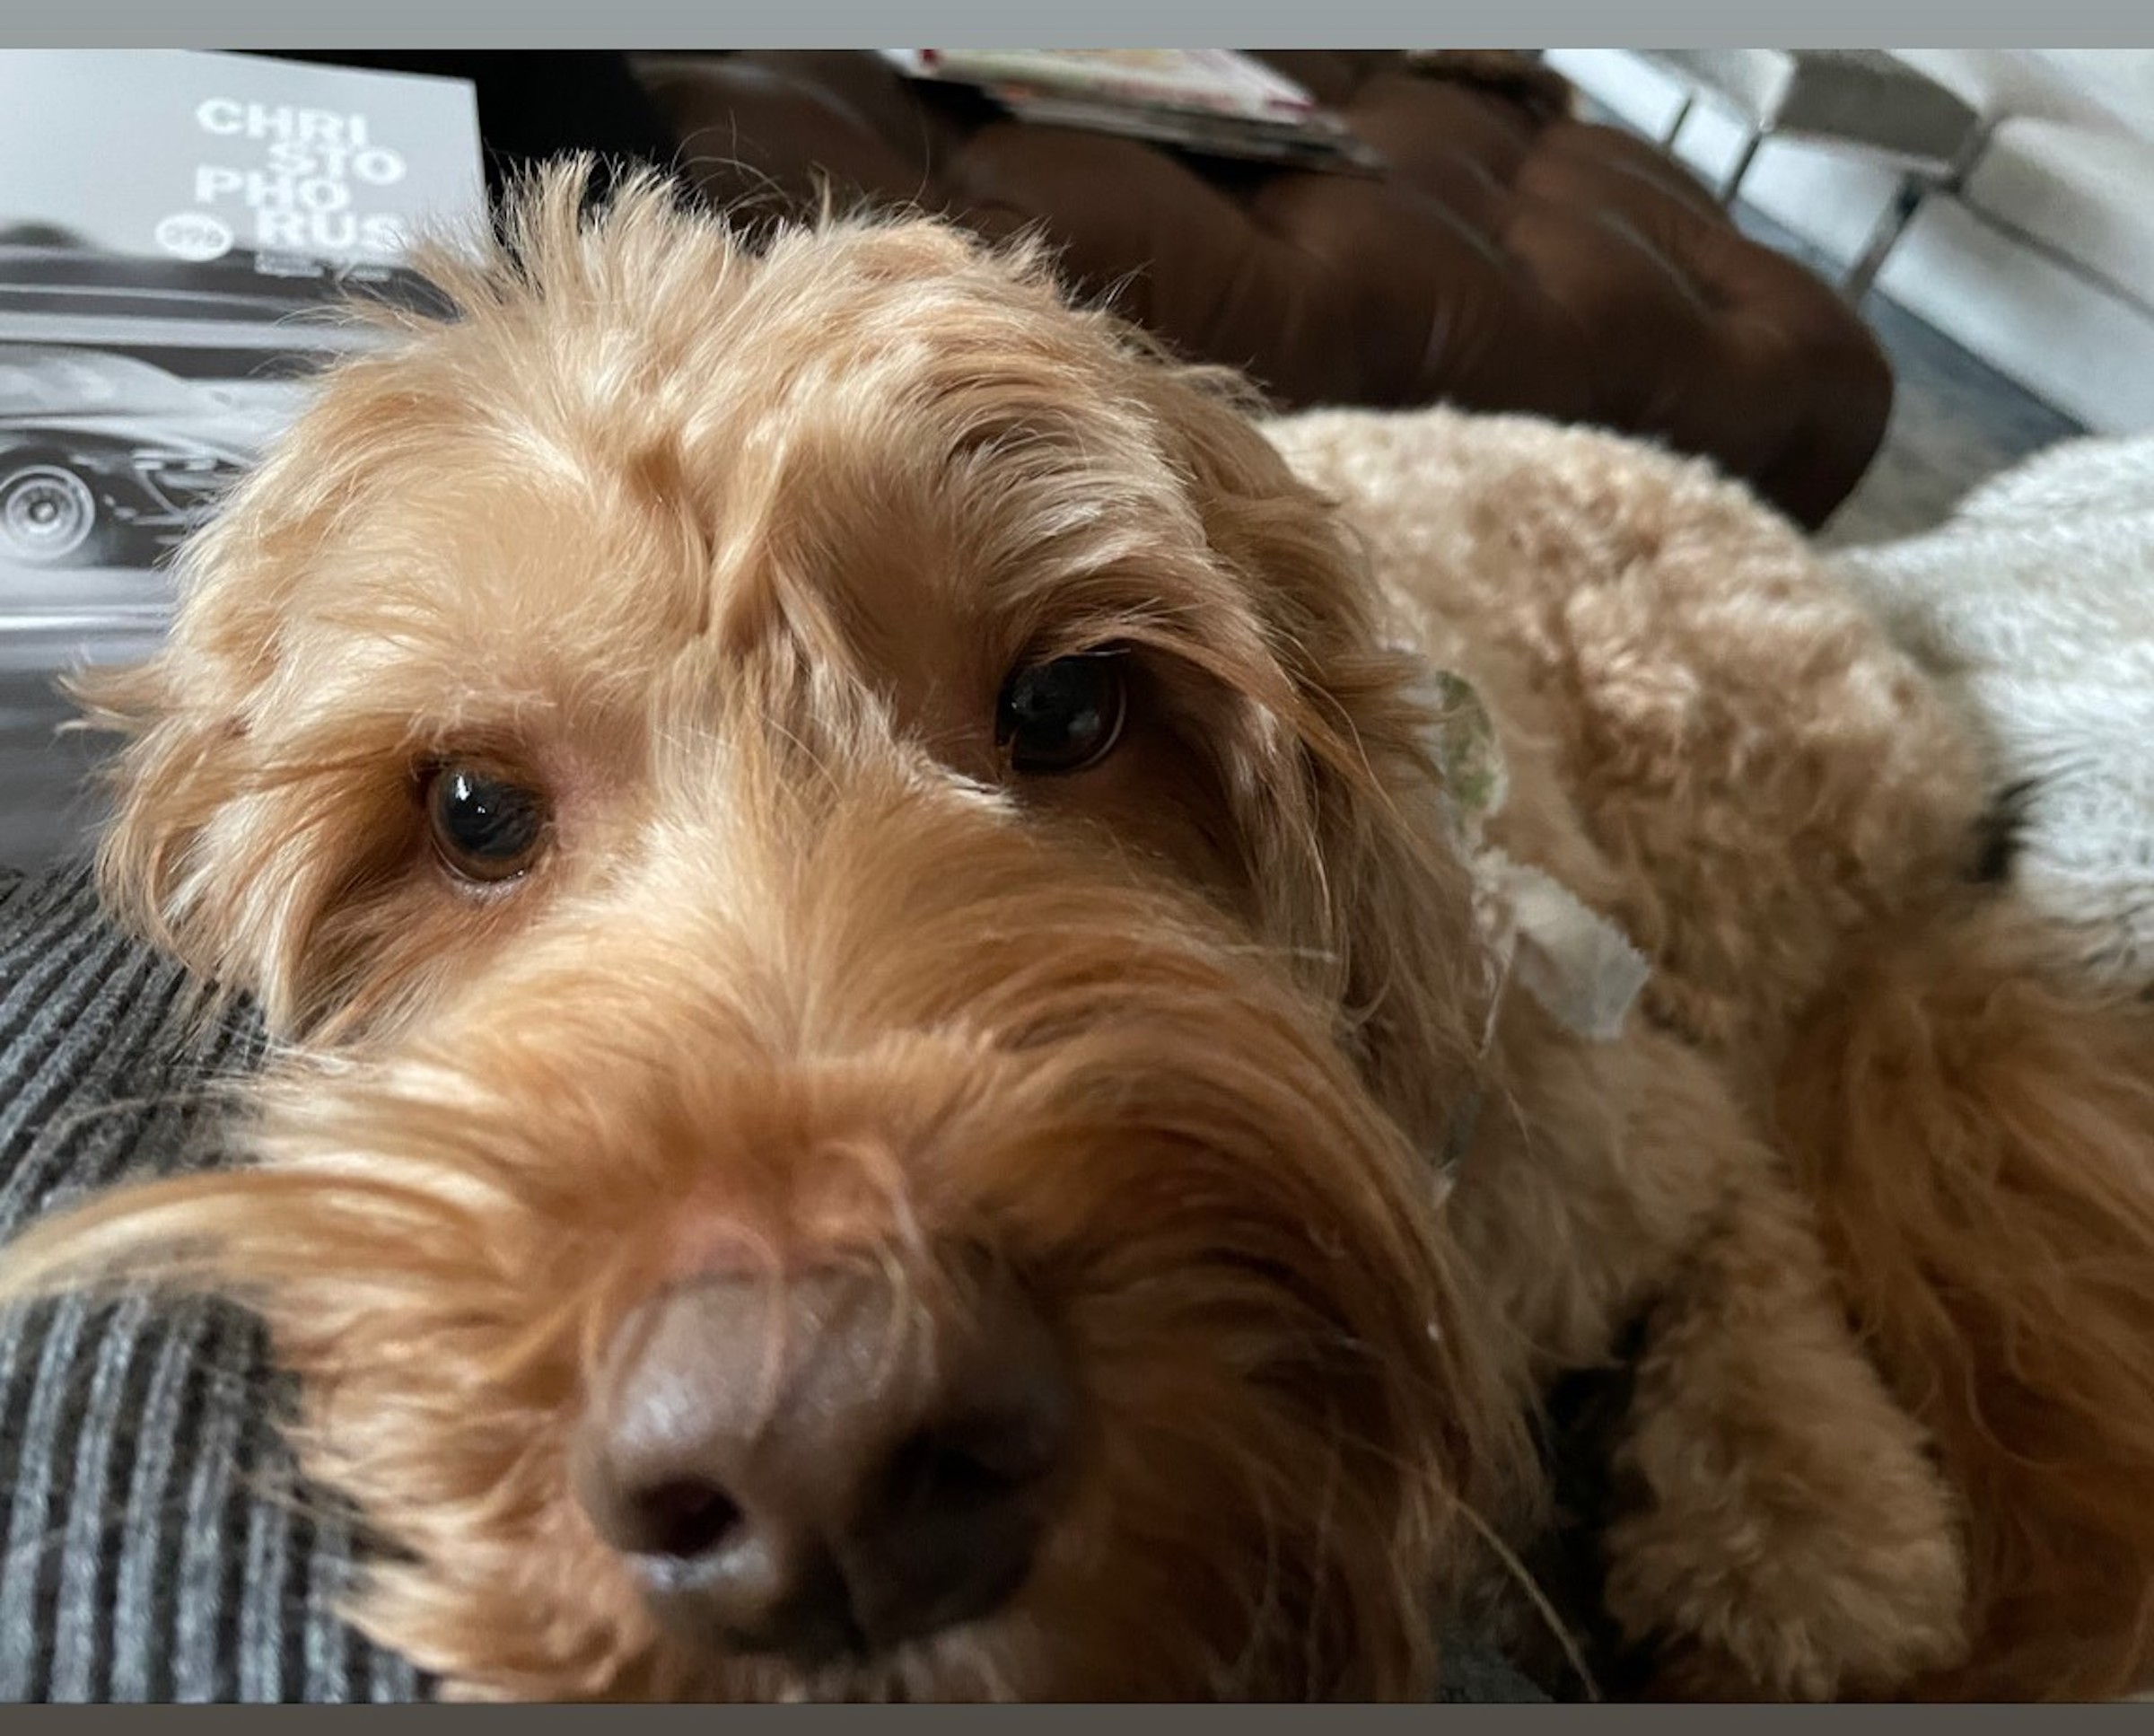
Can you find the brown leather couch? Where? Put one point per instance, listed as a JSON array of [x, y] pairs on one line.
[[1513, 257]]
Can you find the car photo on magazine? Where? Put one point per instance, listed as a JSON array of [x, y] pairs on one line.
[[133, 388], [107, 460]]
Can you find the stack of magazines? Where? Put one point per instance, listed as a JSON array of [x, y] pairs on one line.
[[1212, 101]]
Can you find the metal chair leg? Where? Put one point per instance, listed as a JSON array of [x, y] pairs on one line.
[[1915, 186], [1674, 127], [1734, 183], [1892, 224]]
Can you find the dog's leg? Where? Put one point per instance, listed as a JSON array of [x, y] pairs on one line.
[[1792, 1538], [1976, 1122], [1770, 1521]]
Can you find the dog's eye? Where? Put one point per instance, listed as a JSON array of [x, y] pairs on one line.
[[1063, 715], [486, 828]]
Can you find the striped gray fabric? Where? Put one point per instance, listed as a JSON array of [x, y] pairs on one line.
[[155, 1544]]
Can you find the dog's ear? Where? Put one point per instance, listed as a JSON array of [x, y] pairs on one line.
[[219, 847], [1353, 859], [181, 859]]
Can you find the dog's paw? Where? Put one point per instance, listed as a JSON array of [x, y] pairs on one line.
[[1790, 1576]]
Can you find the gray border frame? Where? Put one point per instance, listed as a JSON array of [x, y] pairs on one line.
[[559, 23], [1086, 1721], [836, 23]]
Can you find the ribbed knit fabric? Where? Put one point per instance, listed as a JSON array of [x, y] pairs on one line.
[[155, 1541]]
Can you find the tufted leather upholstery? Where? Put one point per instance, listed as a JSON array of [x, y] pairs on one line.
[[1513, 259]]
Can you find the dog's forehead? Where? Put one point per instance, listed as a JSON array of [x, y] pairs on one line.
[[902, 449]]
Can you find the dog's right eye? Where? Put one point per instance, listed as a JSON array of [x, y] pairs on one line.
[[486, 828], [1064, 715]]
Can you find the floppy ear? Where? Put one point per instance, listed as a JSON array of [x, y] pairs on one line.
[[1355, 867], [224, 847], [186, 755], [184, 860]]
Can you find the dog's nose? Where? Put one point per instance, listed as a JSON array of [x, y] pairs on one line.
[[825, 1466]]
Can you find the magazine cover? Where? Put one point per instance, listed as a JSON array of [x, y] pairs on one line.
[[177, 229]]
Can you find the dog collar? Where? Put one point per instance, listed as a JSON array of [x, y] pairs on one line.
[[1574, 962], [1579, 965]]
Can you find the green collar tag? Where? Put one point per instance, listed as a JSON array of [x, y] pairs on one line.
[[1576, 962]]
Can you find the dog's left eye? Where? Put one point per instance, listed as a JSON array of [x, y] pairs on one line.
[[486, 828], [1063, 715]]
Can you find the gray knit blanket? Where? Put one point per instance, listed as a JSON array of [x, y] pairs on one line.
[[158, 1543]]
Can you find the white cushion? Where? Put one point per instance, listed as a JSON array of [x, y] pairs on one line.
[[2079, 191], [2002, 82], [2121, 79]]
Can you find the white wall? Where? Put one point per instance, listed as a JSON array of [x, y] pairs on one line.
[[2064, 336]]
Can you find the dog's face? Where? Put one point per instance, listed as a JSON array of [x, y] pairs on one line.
[[875, 980]]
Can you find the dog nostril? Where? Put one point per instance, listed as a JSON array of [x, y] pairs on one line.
[[933, 1472], [687, 1519]]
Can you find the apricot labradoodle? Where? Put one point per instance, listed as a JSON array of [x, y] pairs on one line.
[[958, 1024]]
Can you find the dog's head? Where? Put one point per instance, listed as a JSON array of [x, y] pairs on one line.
[[875, 978]]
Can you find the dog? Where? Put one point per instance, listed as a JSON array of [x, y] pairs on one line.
[[957, 1021]]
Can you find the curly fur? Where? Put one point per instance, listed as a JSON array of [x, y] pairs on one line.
[[730, 550]]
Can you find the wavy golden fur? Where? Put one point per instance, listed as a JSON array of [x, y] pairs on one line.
[[729, 550]]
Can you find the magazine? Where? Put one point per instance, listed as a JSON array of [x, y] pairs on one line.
[[1211, 101], [177, 229], [1223, 81]]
